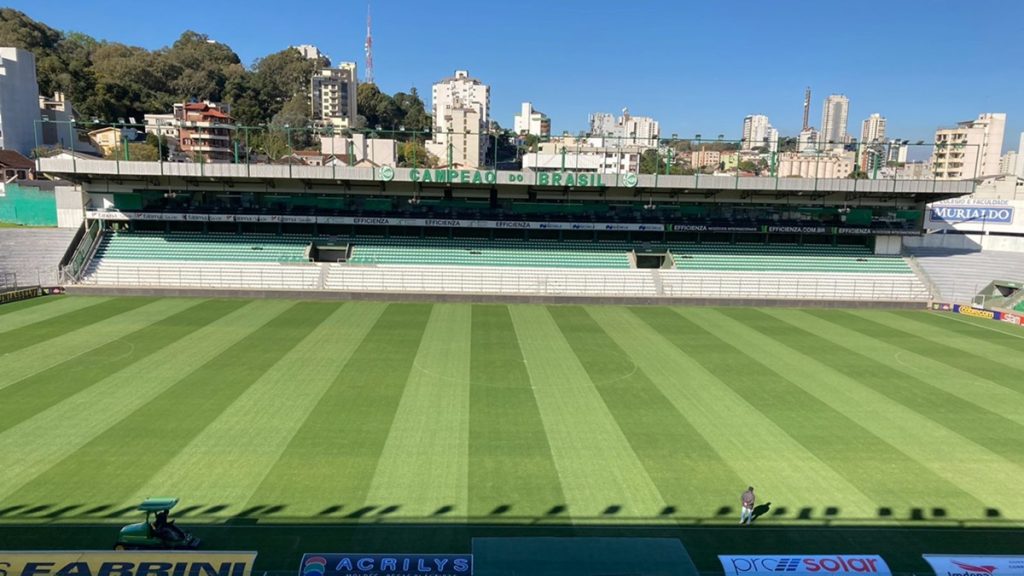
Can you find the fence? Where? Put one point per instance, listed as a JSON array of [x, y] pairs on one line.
[[704, 158], [473, 280]]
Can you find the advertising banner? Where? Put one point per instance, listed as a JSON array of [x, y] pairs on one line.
[[965, 310], [391, 564], [795, 564], [126, 563], [970, 214], [956, 565]]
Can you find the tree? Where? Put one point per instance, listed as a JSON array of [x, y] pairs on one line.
[[857, 174], [414, 115], [204, 67], [137, 151], [293, 120], [414, 153], [378, 108]]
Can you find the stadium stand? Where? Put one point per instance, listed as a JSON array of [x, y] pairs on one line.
[[468, 252], [204, 247], [481, 266], [959, 274], [779, 258], [30, 256], [220, 275]]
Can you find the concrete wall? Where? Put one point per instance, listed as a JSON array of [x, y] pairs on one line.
[[70, 206]]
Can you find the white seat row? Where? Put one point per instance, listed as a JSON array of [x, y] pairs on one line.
[[508, 281], [175, 274]]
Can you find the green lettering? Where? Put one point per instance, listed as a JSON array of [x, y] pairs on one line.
[[597, 180], [464, 176], [556, 179], [542, 178], [489, 177], [452, 175], [414, 175], [427, 176], [477, 178], [583, 180], [570, 179]]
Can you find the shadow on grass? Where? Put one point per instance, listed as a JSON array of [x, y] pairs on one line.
[[282, 543]]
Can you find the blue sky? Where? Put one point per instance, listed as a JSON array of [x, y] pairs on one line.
[[698, 67]]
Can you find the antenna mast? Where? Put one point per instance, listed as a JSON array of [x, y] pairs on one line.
[[368, 47], [807, 107]]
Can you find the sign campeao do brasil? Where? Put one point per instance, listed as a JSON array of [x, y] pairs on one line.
[[448, 176]]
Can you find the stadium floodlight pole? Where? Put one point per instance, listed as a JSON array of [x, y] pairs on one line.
[[449, 148], [696, 173], [74, 136]]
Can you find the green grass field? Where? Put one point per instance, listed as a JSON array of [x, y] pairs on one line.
[[413, 426]]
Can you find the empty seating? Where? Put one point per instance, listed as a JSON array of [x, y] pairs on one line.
[[31, 256], [775, 258], [469, 252], [218, 275], [960, 274], [202, 247]]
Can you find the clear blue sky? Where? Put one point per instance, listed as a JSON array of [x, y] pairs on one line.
[[698, 67]]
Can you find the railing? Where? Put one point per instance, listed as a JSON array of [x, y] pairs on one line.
[[501, 177], [72, 271]]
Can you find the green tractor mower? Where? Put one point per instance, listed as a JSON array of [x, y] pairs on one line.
[[157, 532]]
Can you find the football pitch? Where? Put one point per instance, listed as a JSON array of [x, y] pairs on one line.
[[417, 425]]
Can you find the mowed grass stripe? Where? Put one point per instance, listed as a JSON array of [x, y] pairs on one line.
[[139, 444], [992, 353], [20, 314], [582, 433], [754, 442], [229, 459], [30, 396], [86, 335], [981, 426], [430, 430], [990, 396], [20, 305], [1002, 333], [676, 457], [32, 447], [950, 350], [978, 472], [511, 471], [329, 463], [53, 327]]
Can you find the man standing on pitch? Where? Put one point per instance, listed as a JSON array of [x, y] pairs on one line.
[[747, 500]]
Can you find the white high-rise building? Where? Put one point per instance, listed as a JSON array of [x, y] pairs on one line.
[[872, 129], [531, 121], [833, 120], [808, 140], [333, 95], [452, 100], [19, 100], [626, 130], [310, 52], [758, 132], [971, 149], [897, 152], [1008, 163], [1019, 168]]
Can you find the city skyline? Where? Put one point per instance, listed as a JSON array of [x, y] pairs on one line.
[[915, 93]]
